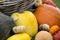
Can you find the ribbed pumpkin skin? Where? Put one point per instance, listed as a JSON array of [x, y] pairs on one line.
[[47, 14]]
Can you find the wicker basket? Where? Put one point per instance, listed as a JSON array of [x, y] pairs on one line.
[[8, 7]]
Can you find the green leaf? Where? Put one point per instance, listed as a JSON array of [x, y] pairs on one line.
[[57, 2]]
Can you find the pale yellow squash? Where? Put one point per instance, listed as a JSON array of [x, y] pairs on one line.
[[22, 36]]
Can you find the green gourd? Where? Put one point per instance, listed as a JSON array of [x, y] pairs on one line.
[[6, 24]]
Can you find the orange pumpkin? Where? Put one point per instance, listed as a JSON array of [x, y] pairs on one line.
[[47, 14], [54, 29]]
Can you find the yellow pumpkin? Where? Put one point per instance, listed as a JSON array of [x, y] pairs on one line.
[[26, 19], [22, 36], [47, 14]]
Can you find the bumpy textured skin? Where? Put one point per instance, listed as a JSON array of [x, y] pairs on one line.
[[38, 3], [21, 36], [28, 20], [6, 24], [43, 35], [54, 29]]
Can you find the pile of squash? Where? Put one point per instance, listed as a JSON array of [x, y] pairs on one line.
[[43, 23]]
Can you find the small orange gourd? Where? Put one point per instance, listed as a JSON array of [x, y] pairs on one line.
[[54, 29]]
